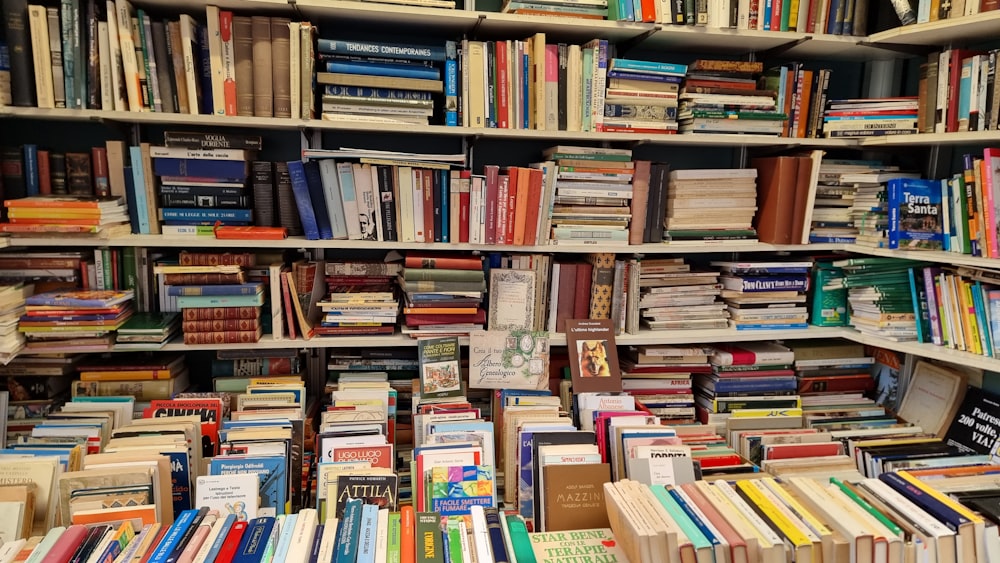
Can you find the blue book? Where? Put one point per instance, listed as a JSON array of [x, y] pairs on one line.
[[772, 326], [647, 66], [451, 84], [984, 325], [526, 100], [200, 168], [139, 190], [69, 18], [629, 10], [768, 9], [317, 541], [186, 536], [747, 386], [835, 21], [287, 525], [496, 534], [368, 534], [348, 531], [257, 541], [384, 93], [375, 49], [203, 68], [669, 502], [227, 524], [237, 289], [186, 214], [173, 535], [315, 184], [196, 301], [384, 69], [692, 515], [303, 202], [526, 478], [939, 510], [445, 547], [31, 169], [272, 471], [444, 193], [915, 214], [133, 211]]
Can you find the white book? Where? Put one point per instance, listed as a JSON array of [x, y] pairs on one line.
[[367, 206], [553, 297], [118, 94], [38, 24], [302, 536], [277, 317], [349, 198], [405, 181], [941, 111], [981, 95], [475, 207], [377, 195], [417, 191], [104, 54], [382, 537], [188, 38], [295, 66], [574, 101], [743, 14], [94, 555], [480, 535], [215, 61], [206, 547], [197, 154], [331, 194], [218, 491], [10, 549]]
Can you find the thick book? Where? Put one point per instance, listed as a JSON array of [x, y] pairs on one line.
[[777, 182], [300, 188]]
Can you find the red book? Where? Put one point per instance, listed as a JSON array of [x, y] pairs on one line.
[[837, 384], [567, 295], [492, 187], [423, 319], [407, 541], [503, 97], [954, 80], [432, 206], [649, 10], [434, 261], [229, 80], [521, 206], [115, 257], [513, 186], [790, 451], [719, 461], [501, 208], [44, 174], [534, 206], [581, 303], [223, 337], [232, 543], [776, 15], [464, 196], [156, 541], [99, 164], [67, 544]]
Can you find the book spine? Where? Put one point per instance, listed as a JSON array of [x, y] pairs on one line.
[[300, 189], [222, 337], [497, 543], [281, 67], [55, 55], [92, 54], [69, 32]]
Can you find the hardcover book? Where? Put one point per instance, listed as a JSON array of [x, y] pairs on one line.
[[440, 375], [574, 496], [514, 359]]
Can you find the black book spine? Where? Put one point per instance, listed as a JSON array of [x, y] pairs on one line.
[[78, 174], [288, 213], [210, 202], [491, 81], [563, 83], [647, 228], [57, 167], [263, 193], [202, 141], [93, 58], [22, 69], [386, 199], [164, 67], [12, 171]]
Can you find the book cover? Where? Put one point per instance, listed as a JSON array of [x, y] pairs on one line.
[[514, 359], [593, 355], [455, 489], [271, 470], [379, 490], [574, 496], [427, 538], [973, 430], [235, 494], [440, 375], [915, 220]]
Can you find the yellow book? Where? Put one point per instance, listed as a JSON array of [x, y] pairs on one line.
[[48, 212], [969, 308], [978, 524], [772, 546], [747, 413], [801, 543], [859, 538], [825, 533]]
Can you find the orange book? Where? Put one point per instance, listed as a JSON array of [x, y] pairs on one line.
[[63, 229], [964, 471], [530, 12], [407, 544], [130, 375], [46, 221], [71, 213], [146, 514], [433, 261], [649, 10], [534, 206], [521, 205], [805, 95], [440, 310], [250, 233], [49, 202]]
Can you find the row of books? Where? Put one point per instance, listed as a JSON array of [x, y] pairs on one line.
[[93, 56], [926, 11], [956, 91]]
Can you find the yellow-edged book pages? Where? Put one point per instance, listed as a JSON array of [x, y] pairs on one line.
[[937, 539], [772, 546], [668, 534], [887, 546], [854, 531], [630, 531], [800, 539], [826, 534]]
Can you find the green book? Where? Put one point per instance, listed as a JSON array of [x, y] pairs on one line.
[[46, 544], [395, 532], [198, 301], [867, 507], [149, 323], [697, 538], [455, 539], [519, 539], [829, 306], [437, 274], [427, 537]]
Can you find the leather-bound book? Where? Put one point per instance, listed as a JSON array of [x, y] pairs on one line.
[[263, 87]]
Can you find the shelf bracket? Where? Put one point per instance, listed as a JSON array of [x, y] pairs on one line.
[[634, 42], [477, 25], [776, 51], [900, 48]]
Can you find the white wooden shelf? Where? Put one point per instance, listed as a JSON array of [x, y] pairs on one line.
[[955, 138], [927, 351], [959, 30]]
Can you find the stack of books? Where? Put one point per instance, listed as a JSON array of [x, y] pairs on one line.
[[672, 296], [362, 298], [642, 96], [765, 295], [589, 9], [659, 377], [871, 117], [443, 295], [383, 82], [66, 215], [209, 170], [12, 299], [592, 194], [833, 375], [78, 320], [46, 271], [746, 376], [148, 331], [217, 303], [148, 378], [864, 187], [880, 296], [711, 204], [723, 97]]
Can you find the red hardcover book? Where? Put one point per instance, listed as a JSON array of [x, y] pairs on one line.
[[776, 15], [379, 456], [424, 319], [567, 295], [689, 84], [220, 324], [521, 206], [501, 208], [492, 187], [67, 544], [352, 330], [229, 80], [837, 384], [534, 206], [212, 313], [581, 303], [44, 174], [954, 80], [649, 10], [513, 187], [432, 206], [464, 197], [232, 543], [989, 5], [503, 95], [435, 261], [790, 451], [204, 279], [223, 337], [289, 312], [99, 163], [719, 460], [217, 259]]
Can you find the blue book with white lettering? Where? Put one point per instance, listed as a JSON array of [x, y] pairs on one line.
[[348, 532], [384, 69], [173, 536], [367, 534], [451, 84], [647, 67], [227, 524], [915, 214], [207, 215], [257, 542], [303, 201], [377, 49], [286, 526], [272, 471], [444, 193]]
